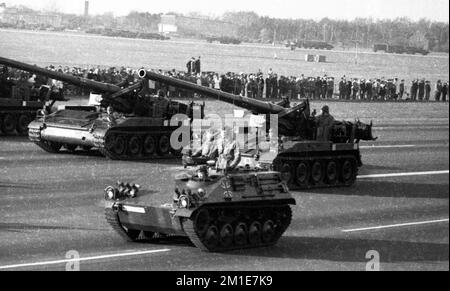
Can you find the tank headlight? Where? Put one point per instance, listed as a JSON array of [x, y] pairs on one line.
[[184, 202], [110, 193], [201, 193]]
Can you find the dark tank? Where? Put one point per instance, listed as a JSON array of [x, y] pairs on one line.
[[127, 123], [217, 211], [19, 104], [307, 156]]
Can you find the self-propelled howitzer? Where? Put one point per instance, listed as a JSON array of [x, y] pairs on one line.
[[308, 155], [136, 126]]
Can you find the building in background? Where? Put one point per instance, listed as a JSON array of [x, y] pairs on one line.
[[192, 26], [168, 24], [21, 16]]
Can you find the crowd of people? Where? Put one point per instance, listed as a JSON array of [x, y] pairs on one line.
[[253, 85]]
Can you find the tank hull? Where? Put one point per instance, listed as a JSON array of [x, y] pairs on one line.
[[122, 138], [240, 211], [315, 164]]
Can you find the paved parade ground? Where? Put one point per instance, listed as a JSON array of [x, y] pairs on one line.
[[399, 207]]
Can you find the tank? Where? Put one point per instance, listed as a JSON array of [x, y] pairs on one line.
[[217, 211], [18, 105], [304, 158], [135, 129]]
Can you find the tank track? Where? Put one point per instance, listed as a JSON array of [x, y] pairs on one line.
[[239, 220], [112, 217], [313, 172], [135, 146], [48, 146]]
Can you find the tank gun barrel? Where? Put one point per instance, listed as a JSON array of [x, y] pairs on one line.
[[78, 81], [253, 105]]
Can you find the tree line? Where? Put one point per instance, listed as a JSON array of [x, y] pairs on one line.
[[425, 34]]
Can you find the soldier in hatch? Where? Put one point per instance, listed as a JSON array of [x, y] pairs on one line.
[[209, 149], [228, 149]]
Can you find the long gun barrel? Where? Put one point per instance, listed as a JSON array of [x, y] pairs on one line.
[[78, 81], [253, 105]]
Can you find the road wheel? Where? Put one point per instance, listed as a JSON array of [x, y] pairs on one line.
[[332, 172], [119, 146], [133, 234], [8, 123], [268, 231], [212, 237], [49, 146], [110, 140], [149, 235], [22, 124], [316, 172], [348, 172], [163, 145], [302, 174], [226, 236], [240, 234], [149, 145], [286, 173], [255, 233], [86, 148], [70, 147], [135, 146], [202, 220]]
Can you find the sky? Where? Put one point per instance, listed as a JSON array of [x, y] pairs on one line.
[[437, 10]]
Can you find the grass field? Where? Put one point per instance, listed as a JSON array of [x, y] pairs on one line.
[[44, 48]]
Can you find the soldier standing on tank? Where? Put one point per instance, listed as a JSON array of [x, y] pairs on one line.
[[323, 122], [161, 105]]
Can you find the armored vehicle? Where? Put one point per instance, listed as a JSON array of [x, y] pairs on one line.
[[310, 44], [18, 104], [217, 211], [136, 126], [305, 158], [399, 49], [223, 40]]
